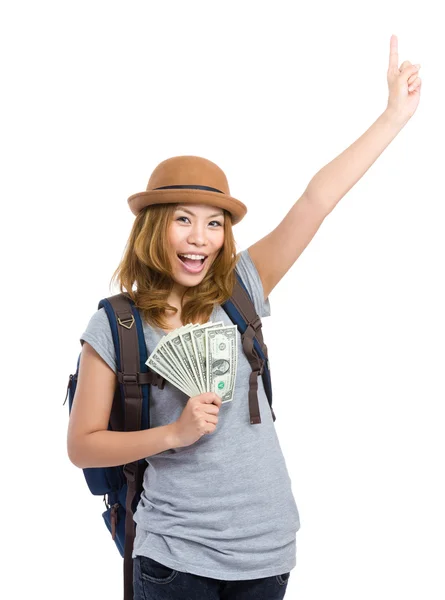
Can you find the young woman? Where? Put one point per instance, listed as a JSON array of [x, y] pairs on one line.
[[217, 518]]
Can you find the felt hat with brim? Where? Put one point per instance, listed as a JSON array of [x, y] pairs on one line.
[[188, 180]]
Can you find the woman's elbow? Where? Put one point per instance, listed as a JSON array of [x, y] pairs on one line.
[[74, 450]]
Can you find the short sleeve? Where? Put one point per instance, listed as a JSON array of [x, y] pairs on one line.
[[251, 279], [98, 334]]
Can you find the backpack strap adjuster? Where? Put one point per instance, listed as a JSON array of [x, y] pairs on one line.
[[127, 378], [150, 377], [126, 322], [261, 369], [258, 370], [256, 324]]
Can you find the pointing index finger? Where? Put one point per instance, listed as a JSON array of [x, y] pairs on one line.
[[393, 54]]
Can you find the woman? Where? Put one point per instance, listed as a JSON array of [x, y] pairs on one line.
[[217, 518]]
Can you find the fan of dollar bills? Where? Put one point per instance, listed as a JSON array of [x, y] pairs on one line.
[[198, 359]]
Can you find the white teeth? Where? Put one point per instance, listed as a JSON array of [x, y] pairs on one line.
[[193, 256]]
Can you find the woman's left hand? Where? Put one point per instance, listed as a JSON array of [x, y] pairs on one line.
[[404, 85]]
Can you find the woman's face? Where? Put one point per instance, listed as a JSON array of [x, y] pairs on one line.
[[195, 230]]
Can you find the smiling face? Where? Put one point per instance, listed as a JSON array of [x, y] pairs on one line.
[[196, 230]]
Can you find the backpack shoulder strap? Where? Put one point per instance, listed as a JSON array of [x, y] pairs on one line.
[[131, 354], [245, 306], [241, 310]]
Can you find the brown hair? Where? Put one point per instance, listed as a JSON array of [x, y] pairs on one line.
[[146, 263]]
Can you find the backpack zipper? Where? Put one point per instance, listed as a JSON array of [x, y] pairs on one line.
[[70, 382]]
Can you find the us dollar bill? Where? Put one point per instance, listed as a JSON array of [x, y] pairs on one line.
[[164, 361], [221, 360], [169, 361], [199, 347], [191, 358], [177, 347], [154, 361], [177, 363], [195, 361]]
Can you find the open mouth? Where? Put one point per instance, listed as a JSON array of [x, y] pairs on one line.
[[192, 265]]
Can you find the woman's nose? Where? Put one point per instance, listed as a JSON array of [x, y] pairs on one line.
[[197, 235]]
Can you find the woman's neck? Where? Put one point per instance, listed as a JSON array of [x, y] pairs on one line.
[[176, 295]]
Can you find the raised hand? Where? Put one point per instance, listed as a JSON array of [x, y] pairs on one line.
[[404, 84]]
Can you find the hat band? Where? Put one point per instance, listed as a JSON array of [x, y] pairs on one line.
[[189, 187]]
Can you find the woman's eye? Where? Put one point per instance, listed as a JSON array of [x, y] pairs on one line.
[[218, 223]]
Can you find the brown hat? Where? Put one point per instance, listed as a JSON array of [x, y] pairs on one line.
[[188, 180]]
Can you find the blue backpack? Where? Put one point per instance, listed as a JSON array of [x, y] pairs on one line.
[[121, 486]]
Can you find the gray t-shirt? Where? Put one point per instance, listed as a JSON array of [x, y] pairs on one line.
[[222, 507]]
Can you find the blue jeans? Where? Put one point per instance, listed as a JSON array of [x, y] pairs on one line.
[[154, 581]]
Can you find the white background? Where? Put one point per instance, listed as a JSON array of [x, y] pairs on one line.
[[94, 96]]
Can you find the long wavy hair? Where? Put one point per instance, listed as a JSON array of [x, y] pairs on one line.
[[146, 264]]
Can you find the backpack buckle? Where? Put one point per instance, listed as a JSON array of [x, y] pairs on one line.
[[256, 324], [127, 378], [123, 322], [157, 380], [259, 371]]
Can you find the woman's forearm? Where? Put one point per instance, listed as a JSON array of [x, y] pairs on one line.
[[112, 448], [333, 181]]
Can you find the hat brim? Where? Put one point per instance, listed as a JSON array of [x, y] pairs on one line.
[[140, 200]]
